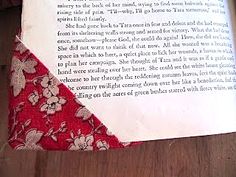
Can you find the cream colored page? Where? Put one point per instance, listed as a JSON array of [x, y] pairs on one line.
[[147, 69]]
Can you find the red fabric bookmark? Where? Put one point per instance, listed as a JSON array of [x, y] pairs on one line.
[[45, 115]]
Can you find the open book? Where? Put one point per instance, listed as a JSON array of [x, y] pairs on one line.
[[146, 69]]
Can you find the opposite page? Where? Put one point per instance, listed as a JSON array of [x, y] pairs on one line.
[[147, 69]]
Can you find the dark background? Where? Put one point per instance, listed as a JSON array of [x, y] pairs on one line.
[[210, 156]]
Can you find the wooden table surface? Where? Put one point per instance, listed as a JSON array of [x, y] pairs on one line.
[[210, 156]]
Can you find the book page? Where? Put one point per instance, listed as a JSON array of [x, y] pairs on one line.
[[147, 69]]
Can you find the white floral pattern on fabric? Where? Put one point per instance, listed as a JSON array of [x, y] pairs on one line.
[[50, 85], [109, 133], [53, 105], [21, 48], [83, 113], [34, 98], [102, 145], [31, 140], [52, 133], [82, 143], [18, 80], [125, 143], [36, 91]]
